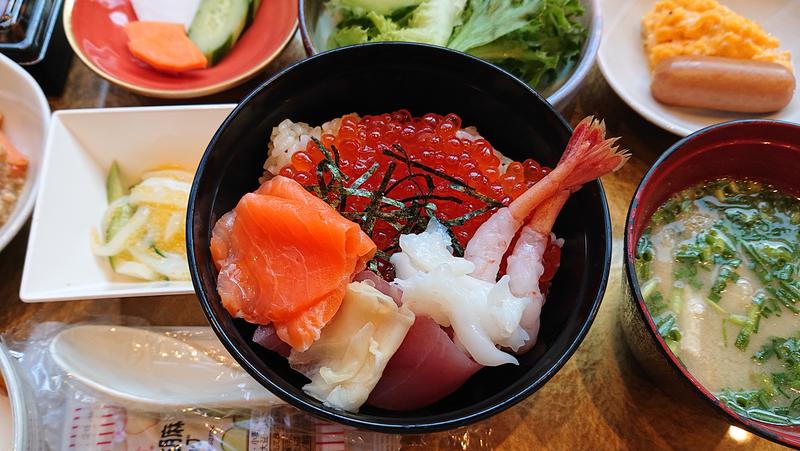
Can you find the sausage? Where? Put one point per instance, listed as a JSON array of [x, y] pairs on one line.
[[742, 86]]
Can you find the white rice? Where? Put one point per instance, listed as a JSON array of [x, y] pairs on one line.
[[290, 137]]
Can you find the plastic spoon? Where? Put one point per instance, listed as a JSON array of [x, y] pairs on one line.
[[153, 370]]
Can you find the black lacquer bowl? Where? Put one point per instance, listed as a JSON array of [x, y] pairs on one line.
[[380, 78]]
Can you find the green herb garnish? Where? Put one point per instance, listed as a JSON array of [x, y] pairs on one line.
[[776, 401]]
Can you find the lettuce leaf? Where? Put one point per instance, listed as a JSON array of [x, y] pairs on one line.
[[348, 36], [428, 21], [536, 40], [431, 22], [382, 7], [491, 19], [538, 51]]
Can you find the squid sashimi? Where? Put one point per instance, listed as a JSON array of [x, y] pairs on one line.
[[484, 315], [427, 367], [285, 258]]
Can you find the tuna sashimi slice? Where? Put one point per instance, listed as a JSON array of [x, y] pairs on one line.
[[427, 367], [393, 291], [285, 258], [268, 338]]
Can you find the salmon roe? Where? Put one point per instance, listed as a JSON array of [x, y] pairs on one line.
[[436, 141]]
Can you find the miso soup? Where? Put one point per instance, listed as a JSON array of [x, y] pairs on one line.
[[718, 270]]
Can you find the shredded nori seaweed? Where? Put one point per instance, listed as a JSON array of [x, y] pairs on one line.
[[406, 215]]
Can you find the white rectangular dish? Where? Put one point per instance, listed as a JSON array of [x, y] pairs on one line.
[[80, 148]]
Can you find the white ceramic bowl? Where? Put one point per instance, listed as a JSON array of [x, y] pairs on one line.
[[27, 116], [81, 146]]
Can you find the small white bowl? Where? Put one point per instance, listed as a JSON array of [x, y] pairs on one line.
[[26, 117], [80, 148]]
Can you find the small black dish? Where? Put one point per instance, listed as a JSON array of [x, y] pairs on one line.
[[32, 35], [380, 78]]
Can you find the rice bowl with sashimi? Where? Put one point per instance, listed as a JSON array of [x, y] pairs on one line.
[[345, 250], [441, 230]]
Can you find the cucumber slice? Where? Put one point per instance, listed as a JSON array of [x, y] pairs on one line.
[[118, 220], [115, 188], [217, 26], [254, 4]]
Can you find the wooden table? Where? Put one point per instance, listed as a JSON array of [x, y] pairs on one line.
[[601, 399]]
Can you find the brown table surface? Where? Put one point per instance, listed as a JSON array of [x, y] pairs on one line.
[[601, 399]]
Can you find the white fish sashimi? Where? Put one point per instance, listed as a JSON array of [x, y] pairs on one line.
[[483, 314], [171, 11]]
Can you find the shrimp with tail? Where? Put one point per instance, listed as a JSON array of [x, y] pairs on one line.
[[530, 218]]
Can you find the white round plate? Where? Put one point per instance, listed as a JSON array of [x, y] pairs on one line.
[[622, 60], [27, 116]]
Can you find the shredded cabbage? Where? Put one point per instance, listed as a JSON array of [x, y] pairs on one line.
[[142, 232]]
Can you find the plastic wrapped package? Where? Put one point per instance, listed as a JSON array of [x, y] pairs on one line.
[[54, 410]]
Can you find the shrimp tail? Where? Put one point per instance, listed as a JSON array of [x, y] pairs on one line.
[[596, 156], [545, 214], [589, 155]]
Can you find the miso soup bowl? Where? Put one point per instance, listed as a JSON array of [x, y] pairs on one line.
[[379, 78], [763, 150]]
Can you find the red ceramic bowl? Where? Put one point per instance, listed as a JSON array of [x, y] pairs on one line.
[[94, 29], [767, 151]]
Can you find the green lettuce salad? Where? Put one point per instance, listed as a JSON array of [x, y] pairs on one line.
[[536, 40]]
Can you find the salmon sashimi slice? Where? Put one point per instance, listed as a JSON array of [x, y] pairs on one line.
[[285, 258], [17, 162]]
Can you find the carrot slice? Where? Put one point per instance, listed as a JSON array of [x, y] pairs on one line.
[[16, 160], [164, 46]]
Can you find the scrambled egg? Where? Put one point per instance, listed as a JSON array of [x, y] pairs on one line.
[[706, 28]]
